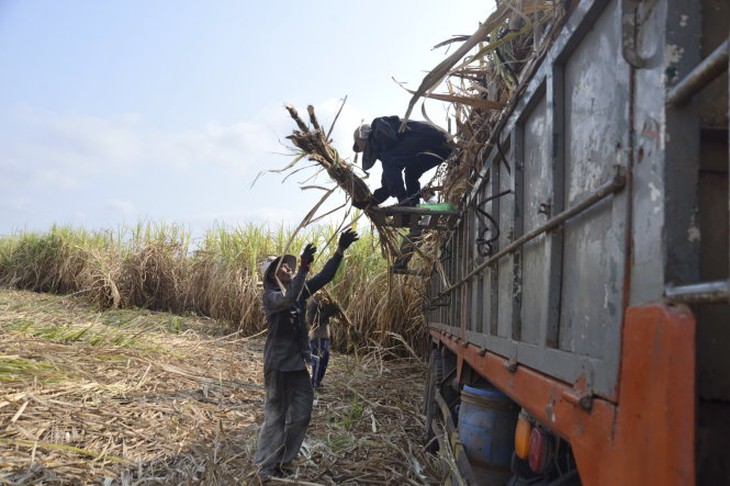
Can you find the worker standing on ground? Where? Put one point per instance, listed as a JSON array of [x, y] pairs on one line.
[[319, 312], [408, 154], [289, 394]]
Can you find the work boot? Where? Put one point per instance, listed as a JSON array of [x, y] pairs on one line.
[[266, 474], [284, 470]]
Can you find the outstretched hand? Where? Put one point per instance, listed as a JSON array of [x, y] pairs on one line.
[[347, 238], [308, 256]]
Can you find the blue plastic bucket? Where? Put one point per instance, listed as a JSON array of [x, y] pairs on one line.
[[487, 421]]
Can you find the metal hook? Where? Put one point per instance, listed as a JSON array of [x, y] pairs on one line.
[[628, 34]]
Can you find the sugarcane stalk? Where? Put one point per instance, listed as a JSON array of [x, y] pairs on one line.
[[315, 145]]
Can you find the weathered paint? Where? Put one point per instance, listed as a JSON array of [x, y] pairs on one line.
[[554, 309], [647, 435]]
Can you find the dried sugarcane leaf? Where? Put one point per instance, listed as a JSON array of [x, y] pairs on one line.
[[465, 100], [314, 145], [439, 73]]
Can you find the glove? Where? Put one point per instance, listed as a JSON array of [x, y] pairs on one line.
[[308, 256], [347, 238]]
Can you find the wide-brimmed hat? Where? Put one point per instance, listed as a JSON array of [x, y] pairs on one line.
[[272, 262], [361, 133]]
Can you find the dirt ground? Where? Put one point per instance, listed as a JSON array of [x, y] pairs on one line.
[[137, 397]]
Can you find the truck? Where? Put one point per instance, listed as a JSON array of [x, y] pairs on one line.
[[582, 297]]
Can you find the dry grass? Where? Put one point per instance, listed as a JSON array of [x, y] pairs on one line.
[[154, 268], [141, 397]]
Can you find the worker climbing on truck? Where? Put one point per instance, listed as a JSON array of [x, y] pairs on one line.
[[406, 153]]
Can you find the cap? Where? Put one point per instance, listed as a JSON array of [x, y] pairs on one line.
[[271, 262], [361, 133]]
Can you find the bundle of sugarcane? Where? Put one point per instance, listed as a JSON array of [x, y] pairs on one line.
[[315, 145], [483, 85]]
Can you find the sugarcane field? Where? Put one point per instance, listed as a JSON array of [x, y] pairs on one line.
[[537, 294]]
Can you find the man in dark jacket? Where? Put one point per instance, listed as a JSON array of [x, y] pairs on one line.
[[410, 152], [289, 394]]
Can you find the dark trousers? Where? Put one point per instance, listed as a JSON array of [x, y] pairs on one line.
[[320, 358], [426, 161], [287, 411]]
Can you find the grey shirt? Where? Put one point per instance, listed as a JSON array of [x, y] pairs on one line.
[[287, 344]]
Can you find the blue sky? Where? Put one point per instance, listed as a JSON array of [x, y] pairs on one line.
[[124, 111]]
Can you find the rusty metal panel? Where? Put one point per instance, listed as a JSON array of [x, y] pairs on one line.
[[458, 264], [483, 236], [555, 303], [534, 174], [482, 231], [493, 237], [505, 267], [596, 119], [474, 300]]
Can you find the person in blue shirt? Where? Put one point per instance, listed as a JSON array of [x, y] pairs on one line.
[[405, 155]]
